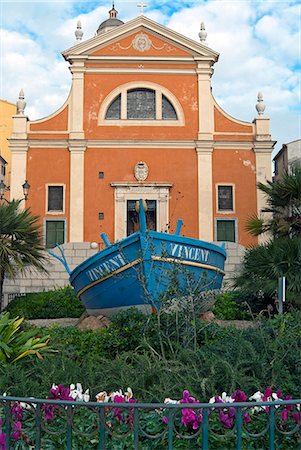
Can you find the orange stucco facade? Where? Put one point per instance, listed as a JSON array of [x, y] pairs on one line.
[[187, 156]]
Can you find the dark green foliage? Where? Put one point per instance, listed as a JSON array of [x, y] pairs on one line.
[[263, 264], [225, 359], [283, 199], [20, 242], [47, 305]]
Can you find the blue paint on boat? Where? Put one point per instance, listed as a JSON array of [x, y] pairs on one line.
[[139, 270]]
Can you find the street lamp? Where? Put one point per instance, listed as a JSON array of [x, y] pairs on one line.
[[3, 188]]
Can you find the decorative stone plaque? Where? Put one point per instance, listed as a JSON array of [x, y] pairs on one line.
[[142, 43], [141, 171]]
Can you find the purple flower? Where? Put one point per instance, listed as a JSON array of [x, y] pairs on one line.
[[191, 418], [17, 433], [17, 411], [226, 419], [2, 439], [267, 394], [239, 396], [60, 393]]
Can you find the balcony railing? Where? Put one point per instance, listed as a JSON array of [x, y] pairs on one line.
[[41, 424]]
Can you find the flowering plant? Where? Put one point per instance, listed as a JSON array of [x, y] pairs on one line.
[[121, 419]]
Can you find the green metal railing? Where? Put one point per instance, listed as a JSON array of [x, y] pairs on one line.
[[32, 423]]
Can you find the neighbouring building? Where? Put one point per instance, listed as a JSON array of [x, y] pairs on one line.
[[141, 122], [3, 165], [287, 156], [6, 126]]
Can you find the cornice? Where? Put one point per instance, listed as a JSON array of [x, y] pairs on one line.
[[95, 143], [141, 183], [111, 70], [140, 22], [264, 146], [18, 145]]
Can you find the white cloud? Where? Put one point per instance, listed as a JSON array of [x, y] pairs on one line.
[[259, 45]]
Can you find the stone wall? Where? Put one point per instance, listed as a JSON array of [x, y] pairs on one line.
[[33, 281], [75, 253]]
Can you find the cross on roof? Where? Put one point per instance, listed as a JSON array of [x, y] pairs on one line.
[[141, 5]]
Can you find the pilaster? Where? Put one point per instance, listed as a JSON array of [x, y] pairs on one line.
[[18, 150], [205, 102], [263, 147], [204, 151], [77, 101], [18, 146], [76, 222]]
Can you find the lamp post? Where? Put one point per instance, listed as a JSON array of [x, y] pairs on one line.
[[3, 188]]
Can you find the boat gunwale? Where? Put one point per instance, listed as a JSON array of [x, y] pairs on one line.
[[104, 252]]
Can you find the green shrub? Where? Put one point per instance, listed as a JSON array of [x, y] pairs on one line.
[[47, 305], [225, 307]]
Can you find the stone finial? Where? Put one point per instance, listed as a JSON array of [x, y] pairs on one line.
[[202, 33], [260, 106], [21, 104], [79, 32]]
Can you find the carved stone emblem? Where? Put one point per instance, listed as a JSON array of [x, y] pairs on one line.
[[141, 171], [142, 43]]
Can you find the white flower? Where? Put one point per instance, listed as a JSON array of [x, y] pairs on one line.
[[171, 401], [77, 393], [129, 394], [102, 397], [257, 397], [212, 400], [226, 398]]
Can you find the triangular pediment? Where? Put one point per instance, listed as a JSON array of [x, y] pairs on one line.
[[141, 37]]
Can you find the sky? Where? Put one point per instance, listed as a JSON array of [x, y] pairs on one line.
[[259, 44]]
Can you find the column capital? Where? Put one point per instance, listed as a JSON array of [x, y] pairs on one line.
[[204, 147], [77, 145], [18, 145], [263, 146]]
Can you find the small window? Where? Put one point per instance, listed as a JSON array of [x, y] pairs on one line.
[[55, 198], [55, 233], [114, 110], [226, 230], [225, 198], [141, 104], [168, 111]]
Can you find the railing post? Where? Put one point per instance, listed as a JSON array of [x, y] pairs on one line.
[[102, 428], [170, 429], [136, 429], [272, 428], [238, 428], [205, 429], [7, 424], [38, 426], [69, 427]]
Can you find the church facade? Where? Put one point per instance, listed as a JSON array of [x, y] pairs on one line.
[[141, 122]]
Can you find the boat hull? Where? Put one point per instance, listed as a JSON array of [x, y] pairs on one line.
[[143, 269]]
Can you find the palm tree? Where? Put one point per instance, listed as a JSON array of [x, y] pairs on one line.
[[264, 264], [281, 255], [283, 199], [20, 242]]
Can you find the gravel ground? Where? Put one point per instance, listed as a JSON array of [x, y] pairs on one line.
[[64, 322]]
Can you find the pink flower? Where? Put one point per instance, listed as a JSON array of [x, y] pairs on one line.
[[239, 396], [17, 411], [17, 433], [2, 439]]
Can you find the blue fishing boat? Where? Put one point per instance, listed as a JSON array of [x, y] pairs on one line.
[[144, 268]]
